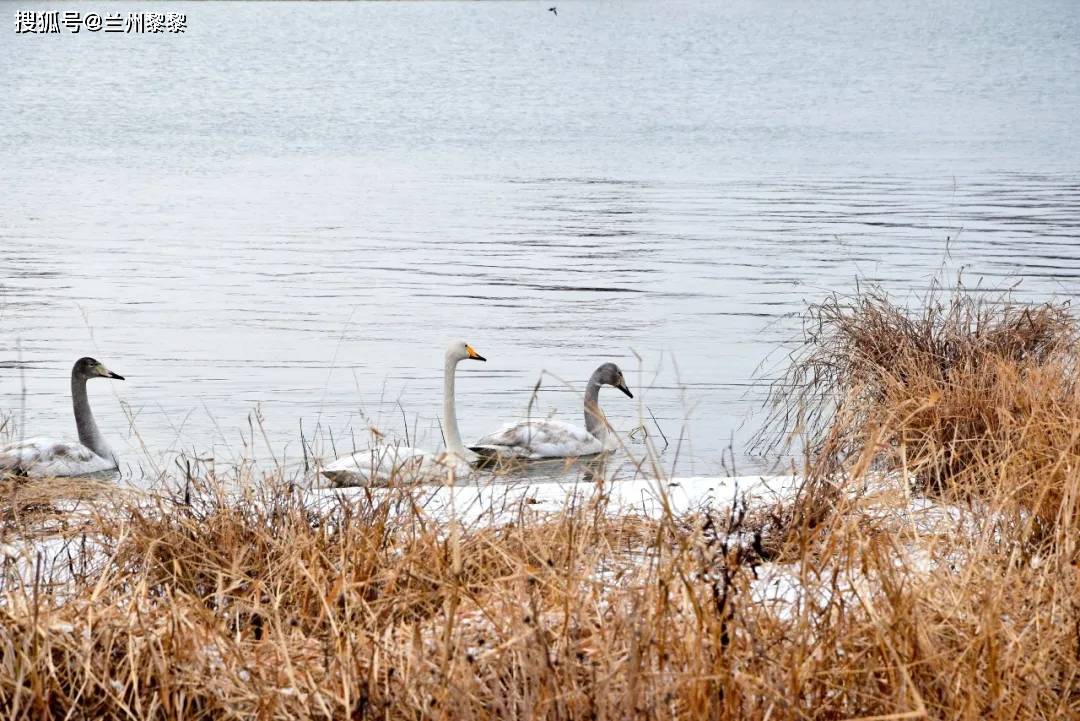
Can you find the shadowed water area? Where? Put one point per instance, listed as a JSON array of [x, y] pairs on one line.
[[295, 206]]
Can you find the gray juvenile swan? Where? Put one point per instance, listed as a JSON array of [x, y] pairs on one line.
[[536, 439], [384, 463], [45, 457]]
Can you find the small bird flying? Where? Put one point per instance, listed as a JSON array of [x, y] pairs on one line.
[[553, 10]]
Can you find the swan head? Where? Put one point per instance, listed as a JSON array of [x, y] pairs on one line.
[[87, 368], [459, 350], [609, 375]]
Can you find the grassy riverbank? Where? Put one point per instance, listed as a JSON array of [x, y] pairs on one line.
[[928, 567]]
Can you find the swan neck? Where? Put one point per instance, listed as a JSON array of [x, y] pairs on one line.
[[453, 437], [89, 435], [594, 417]]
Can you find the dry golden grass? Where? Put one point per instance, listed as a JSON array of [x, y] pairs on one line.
[[46, 506], [239, 598], [967, 393]]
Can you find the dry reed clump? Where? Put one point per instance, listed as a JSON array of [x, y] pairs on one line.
[[966, 393], [47, 506]]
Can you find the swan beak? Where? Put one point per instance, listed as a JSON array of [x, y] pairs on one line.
[[624, 389], [473, 354], [106, 373]]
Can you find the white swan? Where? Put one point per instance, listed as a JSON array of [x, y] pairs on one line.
[[536, 439], [385, 463], [45, 457]]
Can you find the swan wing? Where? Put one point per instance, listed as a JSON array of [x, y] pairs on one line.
[[382, 465], [375, 465], [541, 439], [46, 457]]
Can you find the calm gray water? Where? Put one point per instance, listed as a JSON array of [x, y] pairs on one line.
[[294, 206]]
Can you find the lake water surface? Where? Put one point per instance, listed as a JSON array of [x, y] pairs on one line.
[[294, 206]]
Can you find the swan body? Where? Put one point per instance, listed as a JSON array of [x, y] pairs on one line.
[[404, 464], [538, 439], [384, 464], [47, 457]]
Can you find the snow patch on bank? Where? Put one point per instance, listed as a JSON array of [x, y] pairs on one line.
[[504, 502]]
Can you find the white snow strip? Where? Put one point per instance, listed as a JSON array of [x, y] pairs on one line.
[[502, 502]]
